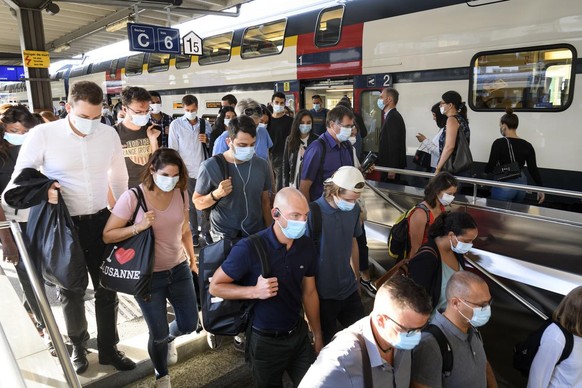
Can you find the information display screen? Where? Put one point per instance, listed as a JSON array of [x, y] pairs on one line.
[[11, 73]]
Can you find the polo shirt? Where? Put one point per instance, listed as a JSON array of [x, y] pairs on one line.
[[336, 156], [262, 144], [340, 363], [283, 311], [335, 278], [469, 359]]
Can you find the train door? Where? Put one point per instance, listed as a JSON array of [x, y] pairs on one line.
[[291, 91], [331, 91]]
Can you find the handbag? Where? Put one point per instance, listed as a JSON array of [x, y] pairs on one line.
[[421, 157], [129, 264], [461, 159], [505, 172]]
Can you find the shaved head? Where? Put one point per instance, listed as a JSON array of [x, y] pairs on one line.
[[289, 196], [463, 284]]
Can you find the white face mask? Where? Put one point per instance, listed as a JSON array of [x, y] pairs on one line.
[[140, 120], [105, 112], [462, 247], [278, 108], [304, 128], [156, 108], [166, 183], [190, 115], [85, 126], [15, 138], [226, 122], [345, 133], [446, 199], [352, 140]]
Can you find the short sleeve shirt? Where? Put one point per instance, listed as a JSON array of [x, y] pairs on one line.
[[240, 213], [136, 151], [335, 277], [469, 359], [282, 311], [339, 364], [336, 156], [169, 250]]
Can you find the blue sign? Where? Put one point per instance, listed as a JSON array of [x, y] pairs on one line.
[[153, 39], [11, 73]]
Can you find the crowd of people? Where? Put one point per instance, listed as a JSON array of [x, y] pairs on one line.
[[295, 181]]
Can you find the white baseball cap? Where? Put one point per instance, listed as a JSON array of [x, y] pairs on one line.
[[348, 178]]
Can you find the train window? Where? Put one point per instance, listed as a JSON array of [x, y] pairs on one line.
[[134, 64], [266, 39], [216, 49], [158, 62], [531, 79], [329, 26], [183, 61], [372, 116]]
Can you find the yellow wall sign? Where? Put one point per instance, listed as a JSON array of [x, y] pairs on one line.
[[39, 59], [286, 86]]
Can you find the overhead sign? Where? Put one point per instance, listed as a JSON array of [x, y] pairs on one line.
[[11, 73], [38, 59], [192, 44], [153, 39]]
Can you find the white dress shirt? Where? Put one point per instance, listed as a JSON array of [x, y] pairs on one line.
[[84, 166], [183, 138]]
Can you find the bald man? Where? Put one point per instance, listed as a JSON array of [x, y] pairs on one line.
[[277, 337], [401, 310], [468, 307]]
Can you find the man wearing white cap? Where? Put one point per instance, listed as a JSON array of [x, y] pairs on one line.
[[338, 271]]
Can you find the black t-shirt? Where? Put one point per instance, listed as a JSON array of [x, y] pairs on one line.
[[522, 150], [136, 150], [279, 129], [7, 166]]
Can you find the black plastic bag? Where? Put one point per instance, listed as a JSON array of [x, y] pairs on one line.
[[54, 243], [129, 264]]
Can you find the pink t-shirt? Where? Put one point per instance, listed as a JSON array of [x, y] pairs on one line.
[[167, 227]]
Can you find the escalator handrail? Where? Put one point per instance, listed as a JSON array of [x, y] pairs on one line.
[[45, 308], [11, 375], [485, 182]]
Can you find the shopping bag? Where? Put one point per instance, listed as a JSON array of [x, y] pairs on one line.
[[129, 264], [421, 157]]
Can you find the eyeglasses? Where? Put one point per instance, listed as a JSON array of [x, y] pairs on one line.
[[351, 126], [258, 111], [409, 332], [140, 113], [482, 306]]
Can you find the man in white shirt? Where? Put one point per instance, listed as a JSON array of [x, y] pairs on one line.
[[189, 136], [85, 157]]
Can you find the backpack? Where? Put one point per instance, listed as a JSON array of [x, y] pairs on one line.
[[399, 238], [525, 352], [221, 161], [225, 316]]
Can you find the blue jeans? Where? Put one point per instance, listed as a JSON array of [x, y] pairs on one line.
[[174, 285], [510, 195]]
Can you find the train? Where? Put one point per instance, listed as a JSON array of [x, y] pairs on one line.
[[495, 53]]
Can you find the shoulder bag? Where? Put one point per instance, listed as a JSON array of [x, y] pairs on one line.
[[505, 172], [461, 159]]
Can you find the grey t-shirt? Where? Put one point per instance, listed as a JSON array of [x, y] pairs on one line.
[[239, 213], [469, 359], [335, 278]]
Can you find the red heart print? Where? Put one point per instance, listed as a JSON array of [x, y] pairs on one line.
[[124, 255]]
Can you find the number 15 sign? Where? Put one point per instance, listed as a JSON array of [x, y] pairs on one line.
[[192, 44]]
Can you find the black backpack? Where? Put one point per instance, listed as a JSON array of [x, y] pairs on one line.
[[399, 238], [524, 352], [225, 316]]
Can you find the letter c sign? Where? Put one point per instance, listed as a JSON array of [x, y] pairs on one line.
[[143, 40]]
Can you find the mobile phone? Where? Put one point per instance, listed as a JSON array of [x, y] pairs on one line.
[[368, 160]]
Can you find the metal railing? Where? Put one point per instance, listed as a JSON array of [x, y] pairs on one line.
[[475, 182], [45, 308]]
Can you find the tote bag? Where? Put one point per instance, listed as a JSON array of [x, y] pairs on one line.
[[505, 172], [129, 264], [461, 159]]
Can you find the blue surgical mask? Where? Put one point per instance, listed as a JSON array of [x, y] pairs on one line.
[[278, 108], [381, 104], [14, 138], [226, 122], [345, 133], [462, 247], [294, 230], [317, 106], [480, 315], [140, 120], [166, 183], [446, 199], [406, 341], [304, 128], [244, 154], [262, 125], [343, 205], [190, 115]]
